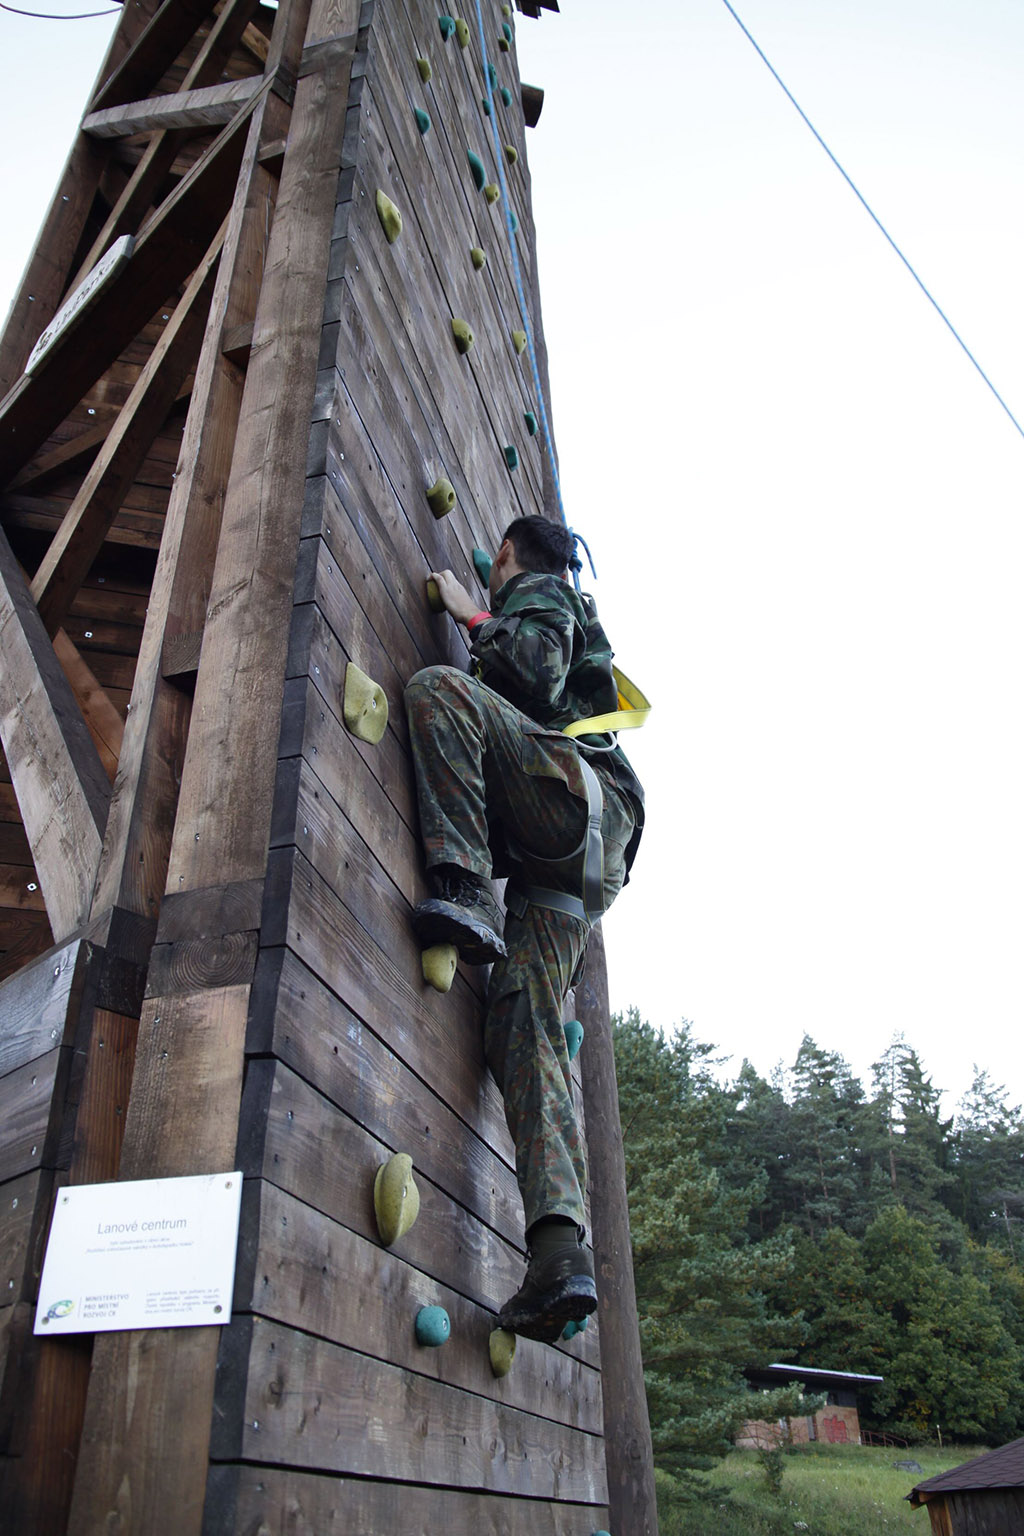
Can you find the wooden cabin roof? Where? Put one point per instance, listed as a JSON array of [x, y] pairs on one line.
[[1003, 1468]]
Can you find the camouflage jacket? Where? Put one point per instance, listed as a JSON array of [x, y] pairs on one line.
[[544, 649]]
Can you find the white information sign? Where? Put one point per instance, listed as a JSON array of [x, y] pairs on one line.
[[156, 1253], [75, 305]]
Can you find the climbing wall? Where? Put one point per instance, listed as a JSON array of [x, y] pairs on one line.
[[318, 376], [351, 1056]]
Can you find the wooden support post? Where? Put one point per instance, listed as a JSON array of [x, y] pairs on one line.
[[627, 1427], [62, 789]]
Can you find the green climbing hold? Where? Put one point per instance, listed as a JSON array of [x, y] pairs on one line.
[[396, 1200], [463, 336], [570, 1330], [477, 257], [435, 605], [462, 32], [439, 961], [519, 342], [506, 95], [422, 119], [501, 1346], [573, 1038], [483, 562], [511, 457], [441, 497], [492, 75], [364, 706], [531, 423], [447, 26], [507, 31], [476, 165], [433, 1326], [492, 191], [485, 104], [513, 220], [511, 154], [503, 45], [506, 10], [390, 218], [423, 65]]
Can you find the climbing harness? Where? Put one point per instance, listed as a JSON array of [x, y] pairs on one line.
[[631, 714], [588, 908]]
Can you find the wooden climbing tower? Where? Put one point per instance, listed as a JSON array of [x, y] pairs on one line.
[[227, 385]]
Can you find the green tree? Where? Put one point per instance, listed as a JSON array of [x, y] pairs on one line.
[[701, 1284], [988, 1151]]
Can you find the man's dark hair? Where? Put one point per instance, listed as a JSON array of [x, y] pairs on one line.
[[541, 545]]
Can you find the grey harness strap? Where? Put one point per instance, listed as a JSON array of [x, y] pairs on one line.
[[589, 905]]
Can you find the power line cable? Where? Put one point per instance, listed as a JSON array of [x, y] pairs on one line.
[[49, 16], [866, 205]]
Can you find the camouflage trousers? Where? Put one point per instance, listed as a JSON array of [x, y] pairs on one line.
[[486, 775]]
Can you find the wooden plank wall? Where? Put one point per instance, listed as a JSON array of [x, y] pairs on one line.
[[328, 1415]]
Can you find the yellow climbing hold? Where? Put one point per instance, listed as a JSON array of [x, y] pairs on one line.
[[365, 706], [463, 335], [519, 341], [501, 1346], [477, 257], [506, 10], [423, 65], [396, 1200], [434, 602], [439, 963], [462, 32], [441, 497], [492, 191], [503, 45], [511, 154], [390, 218]]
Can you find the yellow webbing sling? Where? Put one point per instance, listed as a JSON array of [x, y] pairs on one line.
[[631, 714]]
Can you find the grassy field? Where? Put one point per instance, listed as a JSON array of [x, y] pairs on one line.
[[827, 1490]]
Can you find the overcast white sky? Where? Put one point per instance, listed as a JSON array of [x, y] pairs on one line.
[[804, 504]]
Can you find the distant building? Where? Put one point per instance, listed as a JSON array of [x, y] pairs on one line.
[[838, 1423], [984, 1497]]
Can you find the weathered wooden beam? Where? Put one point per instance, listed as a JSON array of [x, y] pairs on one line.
[[195, 110], [152, 51], [170, 247], [628, 1452], [103, 721], [46, 276], [80, 539], [160, 153], [62, 789]]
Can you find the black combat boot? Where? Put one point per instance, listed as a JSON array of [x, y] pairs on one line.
[[558, 1289], [462, 912]]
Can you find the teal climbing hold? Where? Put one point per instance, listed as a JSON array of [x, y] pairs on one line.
[[492, 75], [507, 31], [422, 120], [573, 1038], [511, 457], [513, 220], [447, 25], [483, 562], [506, 95], [433, 1326], [531, 423], [485, 104], [581, 1326], [570, 1330], [476, 165]]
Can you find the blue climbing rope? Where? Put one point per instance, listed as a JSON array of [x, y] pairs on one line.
[[517, 273]]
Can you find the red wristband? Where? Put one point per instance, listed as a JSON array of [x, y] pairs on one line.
[[478, 618]]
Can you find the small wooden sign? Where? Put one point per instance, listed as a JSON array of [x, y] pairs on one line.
[[78, 302], [154, 1253]]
